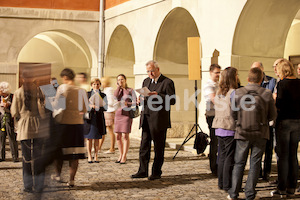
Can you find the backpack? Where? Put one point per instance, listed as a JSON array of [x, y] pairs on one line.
[[201, 142], [251, 117]]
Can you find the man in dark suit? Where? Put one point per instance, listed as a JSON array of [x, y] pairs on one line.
[[155, 120]]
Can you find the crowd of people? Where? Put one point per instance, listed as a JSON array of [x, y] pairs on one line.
[[56, 123], [240, 119], [246, 119]]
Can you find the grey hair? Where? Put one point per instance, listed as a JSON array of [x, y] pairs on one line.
[[4, 87], [152, 62]]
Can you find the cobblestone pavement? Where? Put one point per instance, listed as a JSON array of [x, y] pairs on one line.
[[186, 177]]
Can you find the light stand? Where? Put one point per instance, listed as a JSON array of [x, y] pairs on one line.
[[195, 126]]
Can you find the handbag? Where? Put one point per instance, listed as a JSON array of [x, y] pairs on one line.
[[87, 115], [134, 112]]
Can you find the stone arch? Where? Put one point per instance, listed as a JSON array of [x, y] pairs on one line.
[[62, 49], [171, 41], [261, 32], [171, 53], [292, 46], [120, 56]]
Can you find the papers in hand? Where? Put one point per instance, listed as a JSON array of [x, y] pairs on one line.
[[96, 100], [143, 91], [48, 90]]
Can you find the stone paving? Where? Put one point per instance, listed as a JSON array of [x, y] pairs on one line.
[[187, 177]]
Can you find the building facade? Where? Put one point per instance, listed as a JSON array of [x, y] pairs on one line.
[[66, 34]]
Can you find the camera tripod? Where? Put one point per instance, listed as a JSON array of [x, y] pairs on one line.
[[195, 126]]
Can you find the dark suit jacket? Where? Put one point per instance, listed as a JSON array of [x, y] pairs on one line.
[[159, 120], [99, 115]]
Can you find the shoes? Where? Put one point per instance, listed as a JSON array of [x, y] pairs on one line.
[[274, 182], [16, 160], [290, 192], [154, 177], [55, 178], [1, 160], [278, 193], [266, 177], [122, 162], [96, 161], [109, 152], [139, 175], [90, 162], [27, 190], [39, 190], [229, 198], [71, 184], [117, 161]]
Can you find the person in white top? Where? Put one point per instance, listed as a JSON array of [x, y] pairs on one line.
[[109, 114], [210, 90]]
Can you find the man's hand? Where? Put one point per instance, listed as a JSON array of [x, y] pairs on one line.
[[152, 93]]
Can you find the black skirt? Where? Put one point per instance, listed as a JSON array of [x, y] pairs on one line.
[[72, 142]]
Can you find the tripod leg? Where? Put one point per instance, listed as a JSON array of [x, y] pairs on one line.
[[185, 140]]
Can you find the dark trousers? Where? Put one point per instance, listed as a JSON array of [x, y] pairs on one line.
[[213, 146], [287, 139], [159, 140], [225, 161], [12, 142], [33, 165], [268, 154]]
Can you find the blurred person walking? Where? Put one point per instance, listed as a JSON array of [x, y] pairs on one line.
[[109, 114], [71, 125], [29, 112], [82, 80]]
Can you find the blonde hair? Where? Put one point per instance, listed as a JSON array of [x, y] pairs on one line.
[[95, 80], [285, 69], [105, 80], [4, 87]]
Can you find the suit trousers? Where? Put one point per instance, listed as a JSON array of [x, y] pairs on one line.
[[159, 140], [265, 172], [33, 164], [213, 146], [12, 142]]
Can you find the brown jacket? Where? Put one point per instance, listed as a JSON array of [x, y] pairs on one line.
[[71, 113], [29, 123]]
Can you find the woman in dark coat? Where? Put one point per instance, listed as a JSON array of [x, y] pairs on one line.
[[95, 122]]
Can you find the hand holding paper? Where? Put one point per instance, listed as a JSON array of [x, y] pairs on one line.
[[96, 100], [144, 91]]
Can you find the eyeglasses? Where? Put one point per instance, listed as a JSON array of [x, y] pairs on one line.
[[150, 71]]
